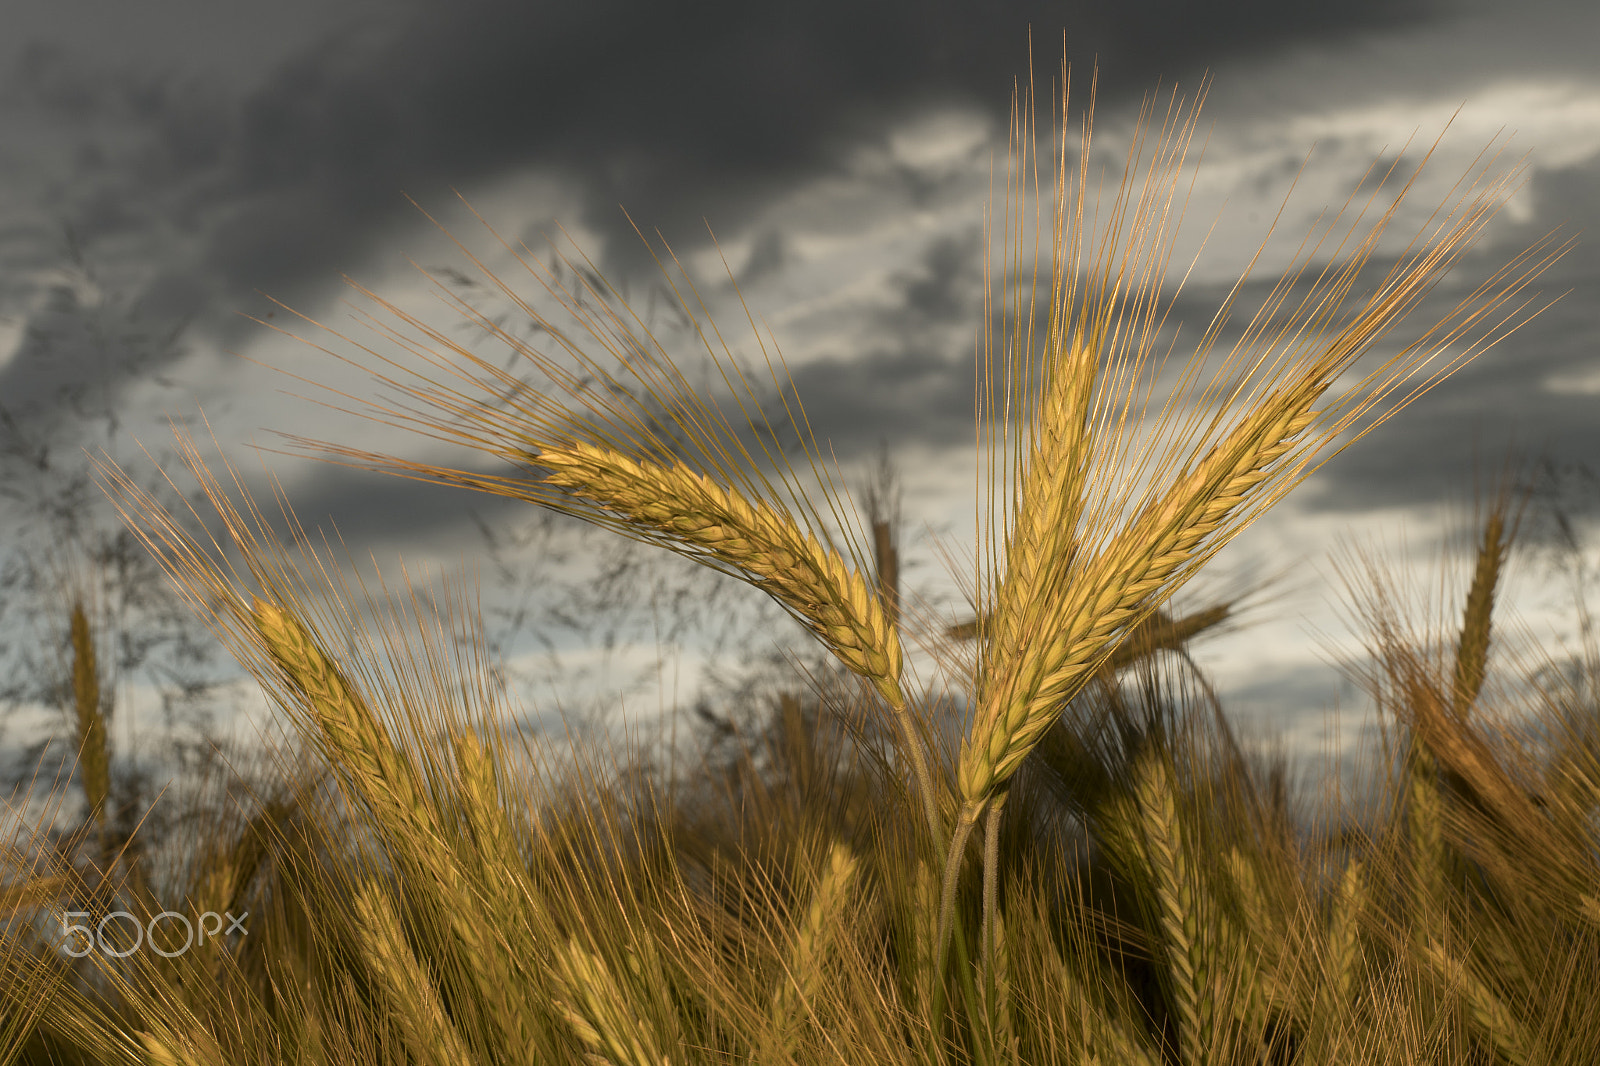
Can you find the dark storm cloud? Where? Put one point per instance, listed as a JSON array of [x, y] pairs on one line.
[[677, 111]]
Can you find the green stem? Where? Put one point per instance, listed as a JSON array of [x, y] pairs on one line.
[[919, 766], [991, 880], [950, 922]]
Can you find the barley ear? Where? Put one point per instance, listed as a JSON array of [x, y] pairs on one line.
[[361, 748], [1341, 961], [1490, 1015], [1344, 932], [1190, 968], [599, 1013], [800, 986], [94, 757], [1257, 945], [1472, 650], [924, 923], [997, 998], [763, 544], [413, 1000]]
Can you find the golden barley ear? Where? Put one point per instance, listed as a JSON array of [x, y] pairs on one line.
[[92, 742], [799, 987], [1183, 914], [1492, 1018], [413, 1001], [599, 1012]]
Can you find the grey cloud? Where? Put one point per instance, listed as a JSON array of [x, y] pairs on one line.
[[677, 111]]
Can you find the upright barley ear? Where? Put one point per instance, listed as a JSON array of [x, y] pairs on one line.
[[1182, 914], [800, 986], [1344, 932], [1341, 962], [998, 1001], [94, 751], [479, 794], [1258, 946], [1472, 651]]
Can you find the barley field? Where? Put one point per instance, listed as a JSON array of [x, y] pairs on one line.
[[1096, 873]]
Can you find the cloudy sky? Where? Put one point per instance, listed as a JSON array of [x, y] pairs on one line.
[[167, 167]]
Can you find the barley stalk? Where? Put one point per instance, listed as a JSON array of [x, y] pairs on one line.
[[1037, 677], [831, 598]]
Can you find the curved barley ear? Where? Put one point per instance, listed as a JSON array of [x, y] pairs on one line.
[[833, 599], [596, 1007], [1492, 1018], [360, 746], [413, 1001]]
